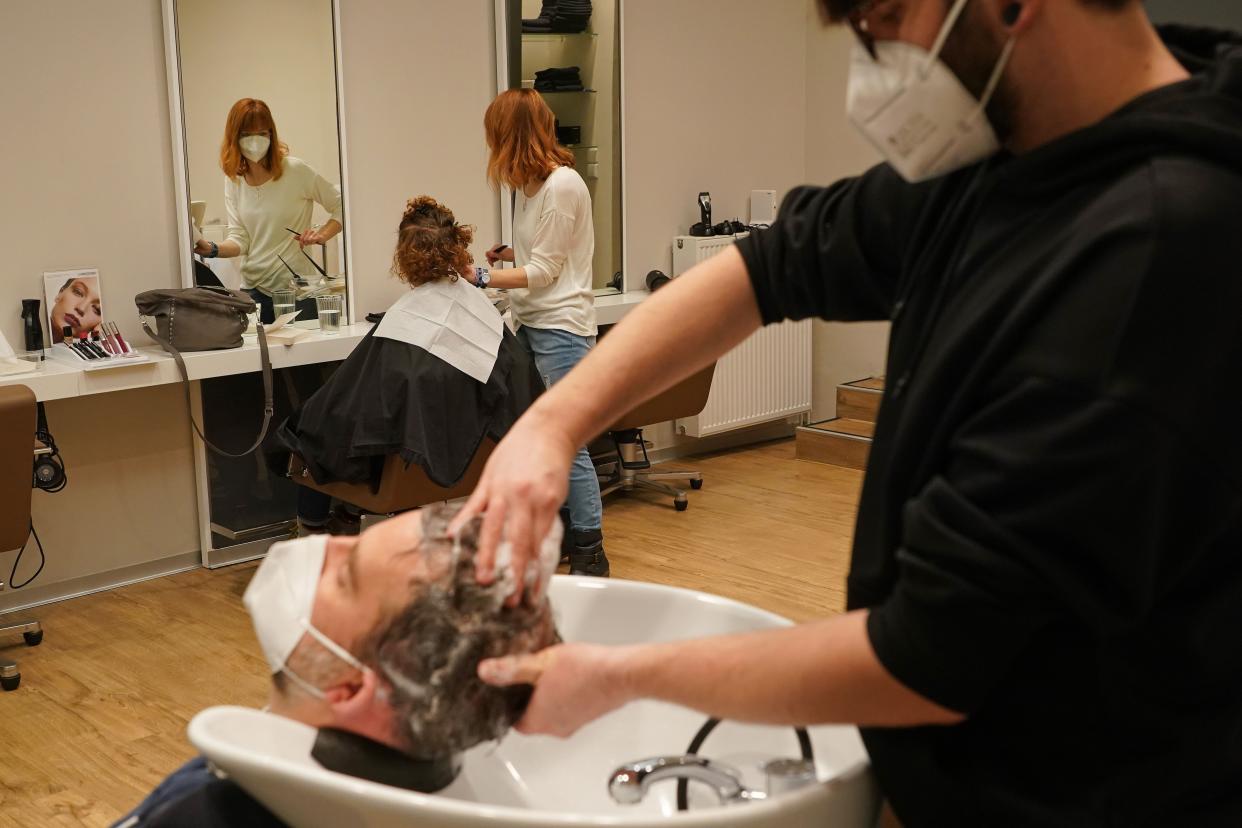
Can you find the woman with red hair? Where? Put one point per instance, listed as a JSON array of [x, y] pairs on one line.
[[551, 289], [267, 192]]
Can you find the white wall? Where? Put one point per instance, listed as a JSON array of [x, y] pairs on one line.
[[90, 184], [834, 149], [94, 187], [419, 75], [782, 124], [715, 100]]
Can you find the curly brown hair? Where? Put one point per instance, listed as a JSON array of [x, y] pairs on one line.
[[431, 245]]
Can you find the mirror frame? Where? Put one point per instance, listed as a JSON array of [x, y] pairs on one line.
[[504, 18], [181, 171]]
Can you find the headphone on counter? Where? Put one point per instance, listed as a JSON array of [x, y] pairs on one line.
[[49, 469]]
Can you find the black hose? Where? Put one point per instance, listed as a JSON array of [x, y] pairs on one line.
[[683, 784]]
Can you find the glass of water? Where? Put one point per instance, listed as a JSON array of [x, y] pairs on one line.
[[283, 301], [331, 309]]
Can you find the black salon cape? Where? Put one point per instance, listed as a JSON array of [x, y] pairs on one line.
[[390, 397], [1049, 538]]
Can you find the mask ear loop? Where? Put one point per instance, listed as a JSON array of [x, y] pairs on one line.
[[332, 647], [994, 82], [305, 685], [950, 22]]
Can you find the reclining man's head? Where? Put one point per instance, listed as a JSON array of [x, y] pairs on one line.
[[381, 635]]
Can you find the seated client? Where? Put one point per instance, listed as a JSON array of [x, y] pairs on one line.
[[435, 378], [375, 641]]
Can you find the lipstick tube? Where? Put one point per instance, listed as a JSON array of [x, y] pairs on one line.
[[116, 331], [110, 338]]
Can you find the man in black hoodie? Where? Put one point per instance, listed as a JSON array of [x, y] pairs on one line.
[[1046, 589]]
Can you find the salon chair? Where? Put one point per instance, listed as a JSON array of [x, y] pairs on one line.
[[632, 469], [17, 429], [401, 489]]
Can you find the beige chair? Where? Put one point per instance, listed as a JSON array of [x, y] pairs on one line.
[[17, 429], [632, 469], [401, 489]]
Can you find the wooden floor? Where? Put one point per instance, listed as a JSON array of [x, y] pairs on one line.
[[101, 713]]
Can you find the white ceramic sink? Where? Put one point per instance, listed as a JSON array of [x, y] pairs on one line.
[[530, 782]]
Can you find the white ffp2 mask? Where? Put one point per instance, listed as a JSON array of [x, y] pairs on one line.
[[255, 147], [916, 112]]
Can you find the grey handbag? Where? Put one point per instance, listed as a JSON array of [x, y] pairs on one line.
[[205, 319]]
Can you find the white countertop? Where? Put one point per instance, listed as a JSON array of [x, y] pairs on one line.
[[58, 380]]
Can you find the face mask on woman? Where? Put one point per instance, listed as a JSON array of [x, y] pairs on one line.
[[255, 147]]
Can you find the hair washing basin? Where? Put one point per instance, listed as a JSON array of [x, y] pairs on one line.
[[531, 782]]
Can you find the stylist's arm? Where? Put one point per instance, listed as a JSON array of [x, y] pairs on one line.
[[820, 673], [684, 328]]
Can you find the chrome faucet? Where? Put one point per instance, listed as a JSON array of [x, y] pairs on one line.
[[629, 783]]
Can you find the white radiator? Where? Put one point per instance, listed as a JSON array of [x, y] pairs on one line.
[[690, 250], [767, 377]]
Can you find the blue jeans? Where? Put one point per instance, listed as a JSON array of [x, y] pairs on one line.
[[556, 353]]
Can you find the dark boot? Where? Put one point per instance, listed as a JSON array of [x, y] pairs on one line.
[[587, 556], [567, 536]]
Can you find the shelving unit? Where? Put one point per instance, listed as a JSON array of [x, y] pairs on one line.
[[542, 37], [595, 110]]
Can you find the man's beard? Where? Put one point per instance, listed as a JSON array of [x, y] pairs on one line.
[[972, 52]]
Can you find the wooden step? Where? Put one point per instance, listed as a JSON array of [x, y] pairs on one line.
[[860, 400], [840, 442]]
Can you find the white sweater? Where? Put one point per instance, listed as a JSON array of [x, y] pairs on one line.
[[554, 239], [259, 215]]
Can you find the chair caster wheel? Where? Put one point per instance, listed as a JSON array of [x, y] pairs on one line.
[[10, 682], [681, 505], [696, 484], [33, 639]]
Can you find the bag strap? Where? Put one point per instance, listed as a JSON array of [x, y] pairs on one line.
[[268, 408]]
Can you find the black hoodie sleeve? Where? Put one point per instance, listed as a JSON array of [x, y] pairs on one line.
[[834, 252], [1056, 508]]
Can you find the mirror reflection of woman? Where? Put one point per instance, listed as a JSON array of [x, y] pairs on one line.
[[77, 306], [269, 192]]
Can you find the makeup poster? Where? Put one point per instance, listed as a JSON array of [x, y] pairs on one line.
[[74, 302]]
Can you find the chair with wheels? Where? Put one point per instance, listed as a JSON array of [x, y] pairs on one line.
[[401, 489], [17, 429], [632, 470]]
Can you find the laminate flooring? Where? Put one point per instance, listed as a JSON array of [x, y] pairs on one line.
[[101, 714]]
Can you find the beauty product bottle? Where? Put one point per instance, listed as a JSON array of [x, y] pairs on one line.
[[32, 325]]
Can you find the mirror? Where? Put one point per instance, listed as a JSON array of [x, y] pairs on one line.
[[245, 68], [224, 58], [585, 94]]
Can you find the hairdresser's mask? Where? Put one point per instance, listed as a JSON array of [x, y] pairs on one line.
[[280, 599], [916, 112], [255, 147]]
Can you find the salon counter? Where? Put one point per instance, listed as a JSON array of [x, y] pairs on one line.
[[58, 380]]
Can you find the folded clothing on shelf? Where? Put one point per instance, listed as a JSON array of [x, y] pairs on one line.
[[569, 135], [568, 79], [560, 17]]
